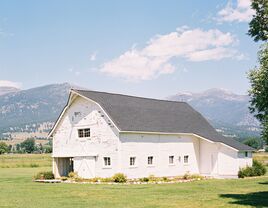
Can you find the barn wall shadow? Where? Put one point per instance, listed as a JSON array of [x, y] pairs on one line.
[[255, 199]]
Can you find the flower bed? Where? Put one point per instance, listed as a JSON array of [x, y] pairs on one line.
[[121, 178]]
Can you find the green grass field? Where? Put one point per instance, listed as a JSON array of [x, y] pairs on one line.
[[25, 160], [18, 190]]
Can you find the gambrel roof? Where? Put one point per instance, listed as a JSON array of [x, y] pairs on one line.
[[137, 114]]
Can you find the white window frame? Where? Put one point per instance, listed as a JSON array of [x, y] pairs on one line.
[[109, 160], [188, 157], [173, 159]]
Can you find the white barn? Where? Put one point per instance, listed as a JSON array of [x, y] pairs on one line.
[[99, 134]]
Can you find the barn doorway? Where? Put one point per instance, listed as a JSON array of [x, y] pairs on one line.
[[63, 166]]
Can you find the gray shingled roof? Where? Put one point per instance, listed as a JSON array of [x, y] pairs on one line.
[[131, 113]]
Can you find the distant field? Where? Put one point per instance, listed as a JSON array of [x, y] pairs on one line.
[[25, 160], [18, 191], [263, 157]]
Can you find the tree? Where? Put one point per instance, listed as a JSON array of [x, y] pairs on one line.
[[3, 148], [253, 142], [259, 91], [258, 26], [28, 145]]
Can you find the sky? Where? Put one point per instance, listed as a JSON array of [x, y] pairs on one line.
[[147, 48]]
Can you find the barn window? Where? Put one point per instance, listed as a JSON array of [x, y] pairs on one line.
[[246, 154], [171, 160], [150, 160], [84, 133], [132, 161], [186, 159], [107, 161]]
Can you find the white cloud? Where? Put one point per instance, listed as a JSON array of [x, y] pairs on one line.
[[93, 56], [73, 71], [212, 54], [155, 58], [242, 12], [7, 83], [77, 73]]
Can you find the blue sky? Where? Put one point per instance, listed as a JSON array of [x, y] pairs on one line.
[[146, 48]]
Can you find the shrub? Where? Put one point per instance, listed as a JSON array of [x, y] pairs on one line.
[[186, 176], [245, 172], [152, 178], [165, 179], [44, 175], [95, 180], [145, 179], [64, 178], [257, 169], [119, 178], [34, 165], [106, 180], [73, 175], [3, 148]]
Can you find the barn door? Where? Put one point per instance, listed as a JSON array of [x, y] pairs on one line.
[[84, 166]]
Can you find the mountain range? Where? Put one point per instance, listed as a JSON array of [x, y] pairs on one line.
[[27, 110], [226, 111]]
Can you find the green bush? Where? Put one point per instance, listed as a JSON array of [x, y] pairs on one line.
[[186, 176], [73, 175], [44, 175], [152, 178], [64, 178], [266, 149], [34, 165], [165, 179], [106, 180], [145, 179], [257, 169], [119, 178]]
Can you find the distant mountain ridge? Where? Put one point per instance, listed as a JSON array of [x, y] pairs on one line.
[[35, 105], [224, 109], [5, 90], [36, 109]]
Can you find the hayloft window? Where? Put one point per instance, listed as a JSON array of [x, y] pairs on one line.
[[186, 159], [150, 160], [84, 133], [107, 161], [171, 160], [132, 161]]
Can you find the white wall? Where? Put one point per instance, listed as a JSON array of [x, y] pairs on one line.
[[103, 141], [160, 147], [243, 160], [228, 161], [208, 158]]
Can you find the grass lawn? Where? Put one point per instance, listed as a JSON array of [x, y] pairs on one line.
[[18, 190]]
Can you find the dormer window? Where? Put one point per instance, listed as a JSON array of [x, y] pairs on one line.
[[83, 133]]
